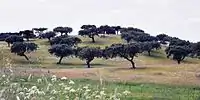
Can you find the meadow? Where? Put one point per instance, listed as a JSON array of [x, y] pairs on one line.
[[156, 77]]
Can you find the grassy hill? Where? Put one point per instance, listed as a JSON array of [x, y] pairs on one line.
[[144, 83], [153, 69]]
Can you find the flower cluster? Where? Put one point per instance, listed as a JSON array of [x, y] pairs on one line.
[[55, 88]]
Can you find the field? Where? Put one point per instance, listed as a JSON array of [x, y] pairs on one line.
[[156, 77]]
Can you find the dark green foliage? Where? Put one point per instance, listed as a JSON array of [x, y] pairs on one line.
[[61, 50], [21, 48], [69, 40], [40, 29], [163, 38], [85, 27], [117, 29], [134, 34], [63, 30], [89, 30], [126, 51], [178, 42], [195, 49], [105, 29], [178, 52], [28, 34], [13, 38], [88, 54], [49, 35], [149, 46], [131, 29]]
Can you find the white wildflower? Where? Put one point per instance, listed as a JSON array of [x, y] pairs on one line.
[[17, 97], [72, 90], [22, 80], [67, 97], [39, 80], [126, 92], [54, 76], [64, 78], [29, 77], [87, 90], [85, 87], [67, 88], [98, 96], [52, 98], [21, 93], [71, 82], [54, 92], [102, 93], [41, 92], [3, 76], [33, 87]]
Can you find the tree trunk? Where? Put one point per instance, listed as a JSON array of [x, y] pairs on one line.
[[59, 62], [93, 41], [25, 56], [49, 39], [179, 61], [8, 44], [88, 64], [133, 64], [149, 53]]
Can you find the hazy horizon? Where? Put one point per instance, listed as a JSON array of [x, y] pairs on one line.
[[178, 18]]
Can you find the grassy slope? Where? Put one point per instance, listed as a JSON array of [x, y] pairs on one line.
[[154, 69], [138, 91]]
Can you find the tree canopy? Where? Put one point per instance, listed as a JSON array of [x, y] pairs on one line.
[[21, 48], [61, 50], [178, 52], [28, 34], [63, 30], [69, 40], [89, 30], [13, 38], [88, 54], [126, 51]]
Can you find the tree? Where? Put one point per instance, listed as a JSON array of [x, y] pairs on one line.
[[63, 30], [179, 52], [69, 40], [178, 42], [163, 38], [39, 30], [126, 51], [28, 34], [149, 46], [21, 48], [13, 38], [195, 49], [91, 32], [61, 50], [138, 35], [117, 29], [49, 35], [85, 27], [88, 54]]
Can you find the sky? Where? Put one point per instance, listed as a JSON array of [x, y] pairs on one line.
[[180, 18]]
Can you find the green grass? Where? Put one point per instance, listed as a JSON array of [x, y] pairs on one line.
[[138, 91]]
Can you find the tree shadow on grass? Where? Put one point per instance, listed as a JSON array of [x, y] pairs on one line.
[[93, 65], [96, 42], [127, 69]]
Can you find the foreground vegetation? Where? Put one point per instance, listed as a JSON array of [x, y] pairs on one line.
[[54, 88]]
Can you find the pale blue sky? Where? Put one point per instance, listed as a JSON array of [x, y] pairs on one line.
[[179, 18]]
